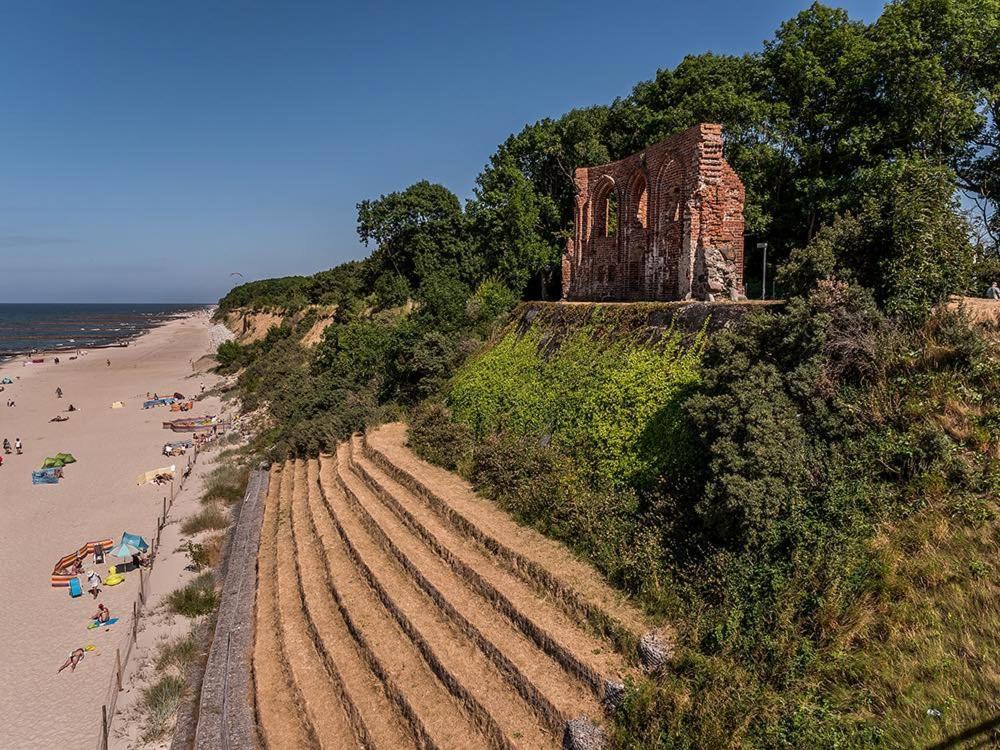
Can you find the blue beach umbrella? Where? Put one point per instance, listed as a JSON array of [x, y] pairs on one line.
[[135, 540]]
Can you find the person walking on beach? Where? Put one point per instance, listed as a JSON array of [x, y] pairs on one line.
[[6, 446], [58, 392], [17, 445], [108, 361], [94, 583]]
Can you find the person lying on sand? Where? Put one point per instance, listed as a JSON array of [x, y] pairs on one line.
[[103, 614], [75, 657]]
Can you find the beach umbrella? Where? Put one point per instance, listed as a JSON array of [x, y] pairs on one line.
[[125, 550], [135, 540]]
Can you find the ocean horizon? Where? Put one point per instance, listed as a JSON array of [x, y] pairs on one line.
[[44, 326]]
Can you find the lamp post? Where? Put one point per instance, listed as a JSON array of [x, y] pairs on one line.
[[763, 282]]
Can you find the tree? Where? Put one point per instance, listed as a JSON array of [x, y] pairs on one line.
[[507, 221], [418, 231]]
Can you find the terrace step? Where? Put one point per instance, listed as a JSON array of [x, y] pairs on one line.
[[278, 712], [539, 561]]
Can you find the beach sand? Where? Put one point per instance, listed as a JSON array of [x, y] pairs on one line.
[[97, 499]]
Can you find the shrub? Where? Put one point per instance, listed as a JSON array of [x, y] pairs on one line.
[[614, 405], [210, 518], [436, 437], [196, 598], [206, 554]]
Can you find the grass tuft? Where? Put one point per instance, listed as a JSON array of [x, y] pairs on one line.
[[212, 517], [226, 483], [195, 599], [159, 703], [179, 653]]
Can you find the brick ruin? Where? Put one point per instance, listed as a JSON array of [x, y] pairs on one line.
[[663, 224]]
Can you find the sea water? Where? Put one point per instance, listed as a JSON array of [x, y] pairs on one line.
[[30, 327]]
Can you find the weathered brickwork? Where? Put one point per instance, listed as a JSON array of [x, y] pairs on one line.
[[663, 224]]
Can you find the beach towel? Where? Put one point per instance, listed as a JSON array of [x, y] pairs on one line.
[[95, 625], [149, 476]]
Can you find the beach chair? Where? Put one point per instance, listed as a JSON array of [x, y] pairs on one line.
[[74, 587]]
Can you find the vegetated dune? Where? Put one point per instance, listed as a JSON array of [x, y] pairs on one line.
[[397, 609]]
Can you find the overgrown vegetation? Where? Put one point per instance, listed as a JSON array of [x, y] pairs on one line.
[[197, 598], [819, 529], [809, 494]]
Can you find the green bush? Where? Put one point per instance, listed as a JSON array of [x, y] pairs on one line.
[[436, 437], [615, 406]]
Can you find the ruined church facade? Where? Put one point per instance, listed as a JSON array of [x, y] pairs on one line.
[[662, 224]]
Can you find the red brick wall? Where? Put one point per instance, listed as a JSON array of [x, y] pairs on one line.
[[680, 224]]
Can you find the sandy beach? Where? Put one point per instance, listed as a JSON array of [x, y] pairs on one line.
[[97, 499]]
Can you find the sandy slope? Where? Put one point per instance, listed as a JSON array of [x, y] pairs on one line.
[[97, 499]]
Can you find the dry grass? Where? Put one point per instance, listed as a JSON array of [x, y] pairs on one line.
[[932, 643], [211, 517], [206, 554]]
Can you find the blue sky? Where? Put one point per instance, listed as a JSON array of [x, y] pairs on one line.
[[149, 149]]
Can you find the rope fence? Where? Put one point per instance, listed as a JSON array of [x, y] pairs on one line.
[[122, 659]]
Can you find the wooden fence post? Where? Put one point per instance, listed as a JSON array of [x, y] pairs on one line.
[[142, 587], [118, 668], [104, 727], [163, 520]]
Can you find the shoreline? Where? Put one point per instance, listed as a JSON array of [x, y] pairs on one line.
[[97, 499], [119, 341]]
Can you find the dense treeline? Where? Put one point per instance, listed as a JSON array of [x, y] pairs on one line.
[[809, 495]]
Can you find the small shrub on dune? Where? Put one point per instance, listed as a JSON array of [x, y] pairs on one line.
[[206, 554], [211, 517], [196, 599]]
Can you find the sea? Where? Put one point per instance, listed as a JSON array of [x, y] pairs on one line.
[[42, 327]]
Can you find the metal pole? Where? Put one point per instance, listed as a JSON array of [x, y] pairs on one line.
[[763, 286]]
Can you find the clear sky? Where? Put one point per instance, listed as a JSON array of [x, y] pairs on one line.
[[150, 149]]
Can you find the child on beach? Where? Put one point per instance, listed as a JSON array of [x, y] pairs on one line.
[[17, 442]]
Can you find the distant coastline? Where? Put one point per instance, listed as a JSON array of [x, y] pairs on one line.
[[53, 328]]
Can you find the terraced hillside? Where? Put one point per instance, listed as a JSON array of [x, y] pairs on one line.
[[396, 609]]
